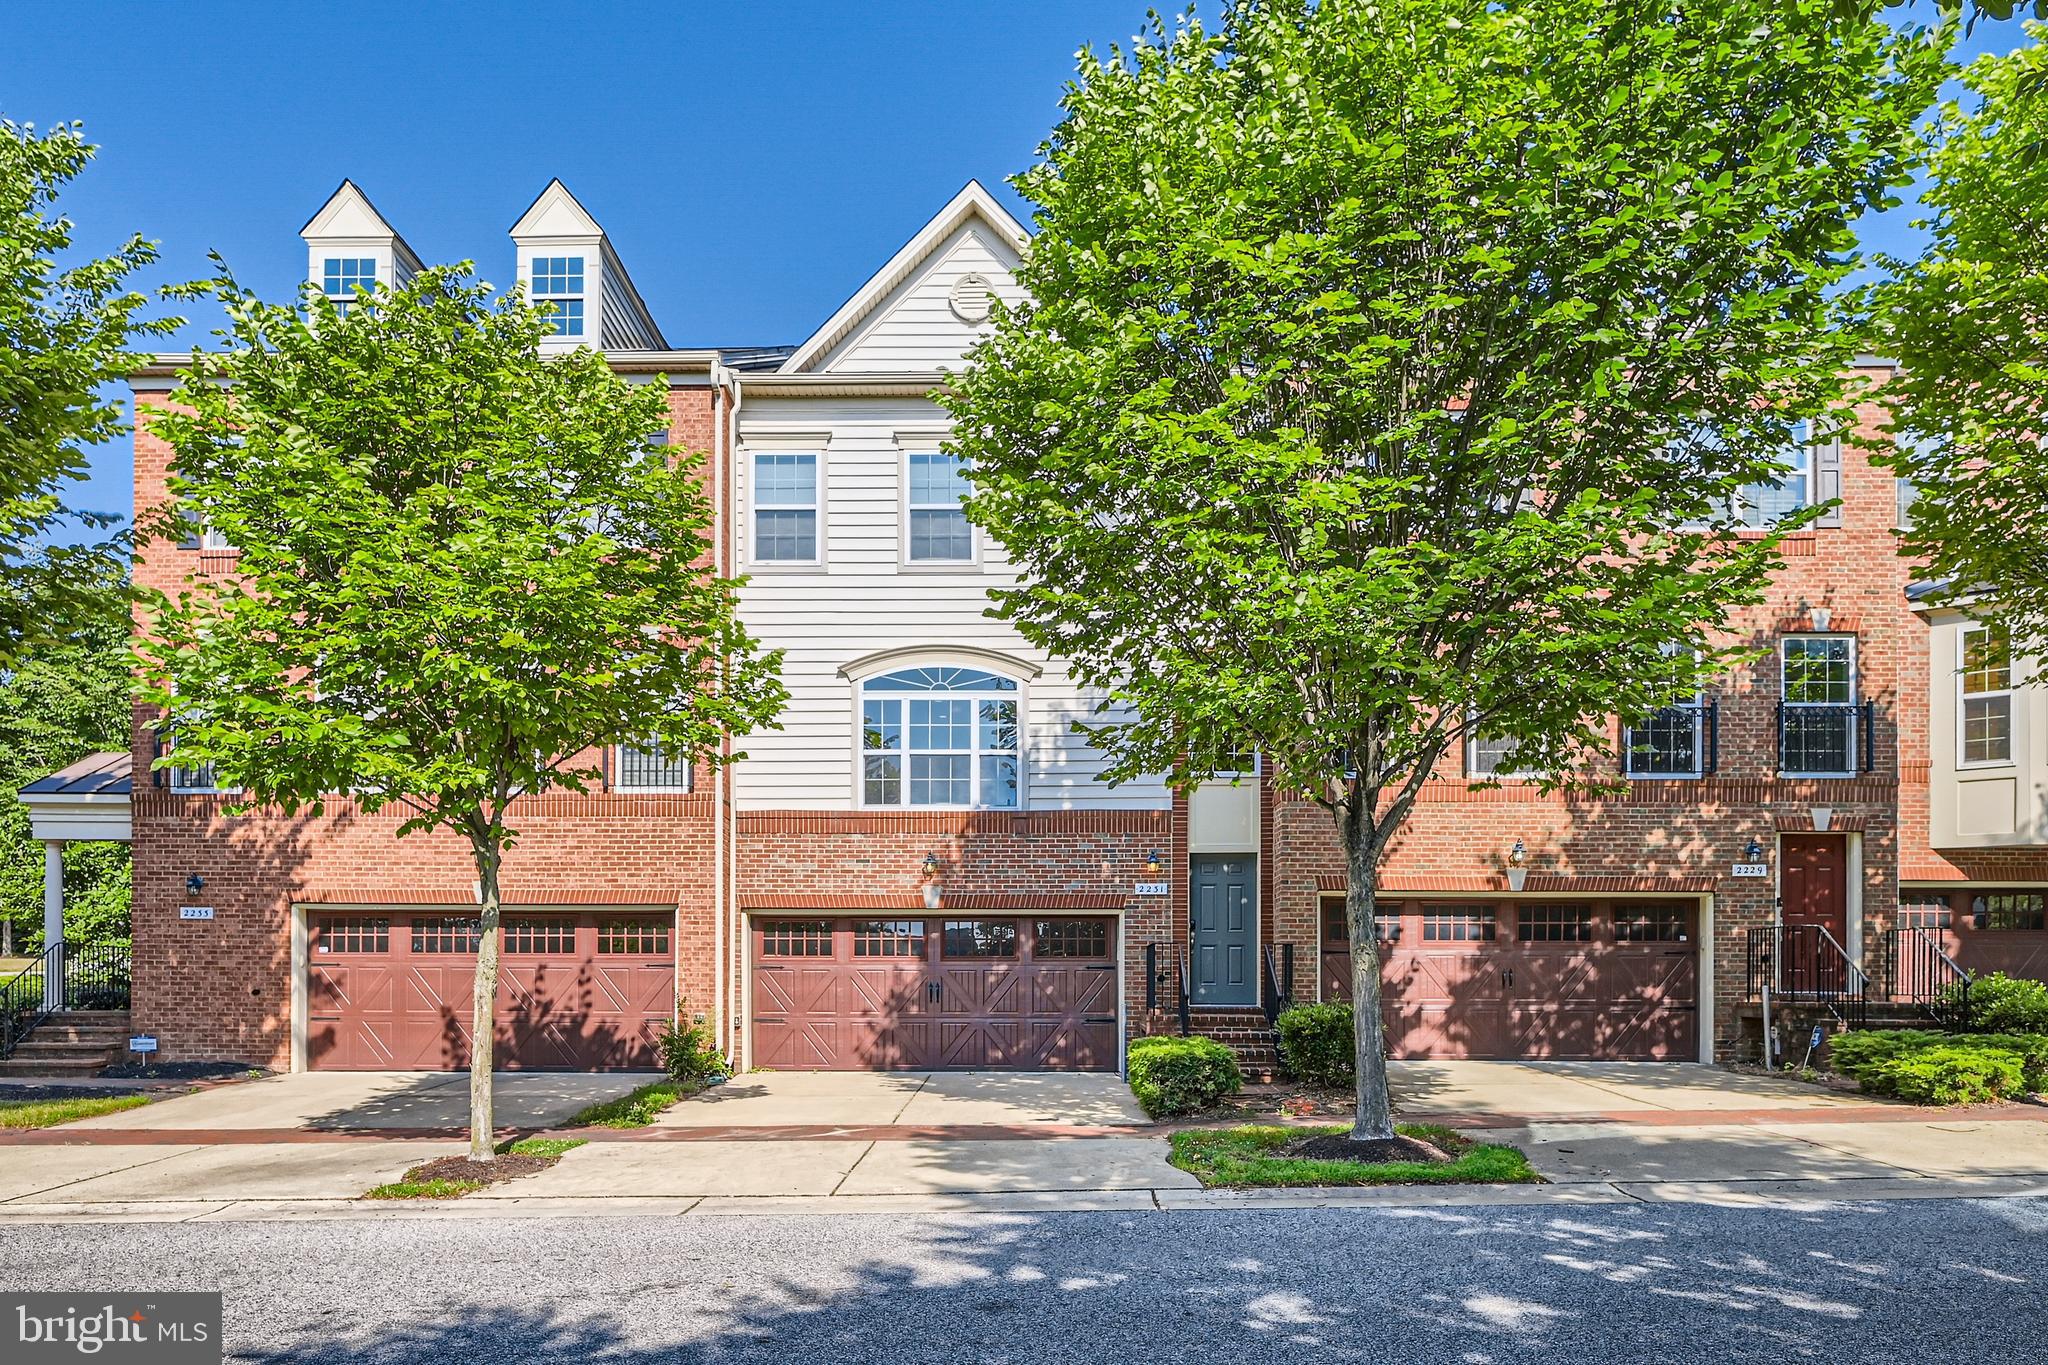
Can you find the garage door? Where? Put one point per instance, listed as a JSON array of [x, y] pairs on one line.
[[576, 992], [1017, 993], [1531, 979]]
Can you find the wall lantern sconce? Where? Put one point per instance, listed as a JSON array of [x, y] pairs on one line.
[[1518, 873], [932, 868], [1154, 865], [1753, 852], [195, 884]]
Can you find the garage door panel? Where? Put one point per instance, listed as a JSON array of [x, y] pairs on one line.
[[920, 1010], [575, 992], [1611, 990]]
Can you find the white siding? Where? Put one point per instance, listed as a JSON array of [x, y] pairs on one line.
[[914, 329], [862, 600]]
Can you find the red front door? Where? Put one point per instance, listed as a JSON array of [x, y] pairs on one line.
[[1814, 882]]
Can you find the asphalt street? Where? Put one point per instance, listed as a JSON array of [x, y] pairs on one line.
[[1936, 1280]]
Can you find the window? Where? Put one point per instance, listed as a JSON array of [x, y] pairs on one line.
[[980, 938], [353, 935], [1337, 922], [193, 777], [558, 283], [1458, 923], [1554, 923], [888, 938], [939, 737], [938, 529], [446, 934], [641, 937], [796, 938], [1652, 923], [342, 276], [1925, 911], [1984, 697], [1817, 727], [647, 767], [1486, 756], [1071, 938], [526, 937], [1767, 503], [2011, 910], [785, 507], [1671, 742]]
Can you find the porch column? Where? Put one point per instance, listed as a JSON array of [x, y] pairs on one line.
[[53, 921]]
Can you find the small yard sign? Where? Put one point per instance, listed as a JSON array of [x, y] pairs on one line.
[[195, 912], [1750, 870], [142, 1042]]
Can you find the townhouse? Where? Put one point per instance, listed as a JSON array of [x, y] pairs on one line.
[[921, 869]]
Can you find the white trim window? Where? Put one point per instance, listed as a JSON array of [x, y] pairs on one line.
[[1983, 697], [557, 281], [1818, 727], [647, 767], [342, 276], [1771, 501], [785, 507], [1492, 756], [935, 528], [941, 737], [1669, 742]]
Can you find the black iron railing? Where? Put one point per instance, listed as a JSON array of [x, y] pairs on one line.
[[1827, 741], [1805, 964], [63, 977], [1183, 988], [1277, 962], [1920, 971]]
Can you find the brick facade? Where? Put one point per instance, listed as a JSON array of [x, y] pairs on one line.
[[222, 989]]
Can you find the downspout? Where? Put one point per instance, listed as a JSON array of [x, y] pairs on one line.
[[724, 832]]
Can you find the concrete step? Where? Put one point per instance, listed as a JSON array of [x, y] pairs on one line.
[[18, 1067]]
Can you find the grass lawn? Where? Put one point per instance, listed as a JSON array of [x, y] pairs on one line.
[[636, 1110], [1248, 1156], [49, 1113], [541, 1146], [424, 1189]]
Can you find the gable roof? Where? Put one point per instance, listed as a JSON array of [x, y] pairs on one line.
[[973, 201], [556, 213], [348, 213]]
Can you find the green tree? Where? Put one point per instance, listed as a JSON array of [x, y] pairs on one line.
[[1968, 322], [1395, 372], [64, 334], [68, 699], [462, 568]]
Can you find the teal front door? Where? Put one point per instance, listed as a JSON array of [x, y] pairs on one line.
[[1224, 930]]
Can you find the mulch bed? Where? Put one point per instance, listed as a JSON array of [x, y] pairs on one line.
[[507, 1167], [1340, 1147], [65, 1092], [1280, 1101], [178, 1071]]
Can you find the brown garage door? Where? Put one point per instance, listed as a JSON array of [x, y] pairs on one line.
[[576, 992], [1531, 979], [997, 993]]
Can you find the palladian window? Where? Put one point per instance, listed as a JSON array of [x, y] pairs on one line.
[[939, 737]]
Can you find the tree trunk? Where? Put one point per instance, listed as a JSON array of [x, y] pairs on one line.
[[483, 1008], [1374, 1118]]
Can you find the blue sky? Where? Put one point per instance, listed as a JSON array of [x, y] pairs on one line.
[[753, 163]]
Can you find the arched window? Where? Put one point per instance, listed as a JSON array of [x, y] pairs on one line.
[[939, 737]]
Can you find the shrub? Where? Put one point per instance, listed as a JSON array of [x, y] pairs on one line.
[[689, 1056], [1937, 1068], [1181, 1075], [1317, 1046], [2005, 1004]]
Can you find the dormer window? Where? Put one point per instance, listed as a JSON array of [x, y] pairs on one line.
[[342, 276], [558, 285]]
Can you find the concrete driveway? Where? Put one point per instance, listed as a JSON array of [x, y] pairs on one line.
[[911, 1099], [1543, 1090], [373, 1101]]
